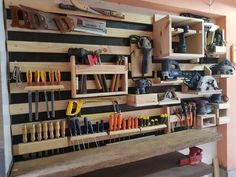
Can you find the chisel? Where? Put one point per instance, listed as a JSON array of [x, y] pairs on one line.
[[57, 132], [102, 129], [32, 138], [36, 80], [29, 83], [63, 130], [51, 133], [39, 135], [90, 127], [24, 134], [45, 134], [86, 127], [43, 79], [69, 124], [79, 132]]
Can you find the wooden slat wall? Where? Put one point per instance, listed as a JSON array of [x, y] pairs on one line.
[[46, 50]]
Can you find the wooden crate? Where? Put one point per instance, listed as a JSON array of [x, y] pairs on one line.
[[165, 32], [142, 99], [205, 121], [98, 69], [222, 115]]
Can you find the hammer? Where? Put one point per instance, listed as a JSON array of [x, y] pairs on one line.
[[79, 53]]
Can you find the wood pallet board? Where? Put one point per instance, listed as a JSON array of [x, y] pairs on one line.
[[75, 163], [111, 32], [167, 166]]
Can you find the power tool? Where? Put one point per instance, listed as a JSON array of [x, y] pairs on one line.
[[204, 107], [192, 82], [194, 157], [143, 43], [219, 98], [182, 48], [223, 67], [207, 83], [142, 86], [170, 69]]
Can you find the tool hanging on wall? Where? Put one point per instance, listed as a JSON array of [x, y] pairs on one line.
[[168, 96], [43, 79], [204, 107], [170, 69], [36, 19], [94, 10], [36, 81], [142, 86], [16, 74], [192, 81], [223, 67], [182, 47], [29, 78], [207, 83], [144, 43]]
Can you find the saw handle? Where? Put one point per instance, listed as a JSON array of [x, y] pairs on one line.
[[146, 52], [78, 104]]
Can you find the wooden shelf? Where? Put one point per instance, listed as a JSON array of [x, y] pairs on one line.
[[168, 82], [81, 162], [124, 132], [44, 87], [167, 166], [162, 103], [202, 93], [223, 120], [221, 105], [207, 120], [152, 128], [164, 35], [142, 99], [223, 76], [88, 136], [100, 94]]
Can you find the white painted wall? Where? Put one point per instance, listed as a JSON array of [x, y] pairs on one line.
[[5, 134]]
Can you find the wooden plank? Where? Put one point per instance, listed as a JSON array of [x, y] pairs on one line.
[[142, 99], [111, 32], [17, 128], [167, 166], [44, 87], [72, 164], [101, 69], [221, 105], [89, 95], [47, 47], [123, 132], [152, 128], [52, 7]]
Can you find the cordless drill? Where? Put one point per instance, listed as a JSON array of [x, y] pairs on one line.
[[182, 48]]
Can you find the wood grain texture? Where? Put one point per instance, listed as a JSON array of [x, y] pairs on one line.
[[52, 7], [92, 159], [111, 32], [47, 47]]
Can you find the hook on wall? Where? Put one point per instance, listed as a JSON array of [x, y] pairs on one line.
[[211, 2]]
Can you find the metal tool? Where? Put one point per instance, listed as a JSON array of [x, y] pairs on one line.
[[36, 80], [29, 83], [142, 86], [182, 47], [219, 98], [223, 67], [194, 157], [143, 43], [207, 83], [44, 82], [169, 95], [204, 107], [89, 25], [17, 75], [192, 81], [170, 69], [90, 128]]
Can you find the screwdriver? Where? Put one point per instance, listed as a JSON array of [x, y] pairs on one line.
[[32, 137], [86, 128], [79, 131], [24, 134], [45, 134], [132, 123], [111, 122], [39, 135], [36, 79], [74, 128], [129, 124], [102, 129], [119, 121], [98, 130], [90, 127], [63, 130], [29, 83], [51, 79], [115, 122], [44, 80], [57, 132], [123, 126], [70, 126], [136, 122]]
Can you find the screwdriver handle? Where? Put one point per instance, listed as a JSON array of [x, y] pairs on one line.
[[58, 76], [140, 122], [128, 123], [36, 77], [115, 122], [119, 121], [90, 127], [102, 126], [57, 129], [63, 128], [78, 127], [32, 133], [45, 130], [136, 122], [24, 134], [86, 125], [51, 77], [29, 77], [132, 122], [43, 77], [97, 126], [51, 130], [123, 124], [39, 131], [111, 122]]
